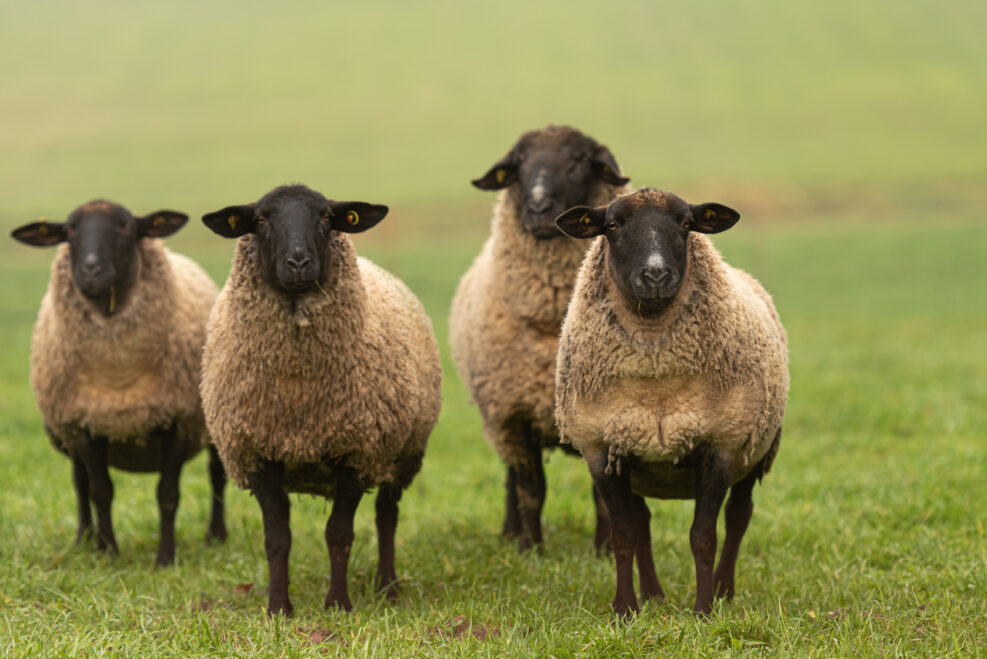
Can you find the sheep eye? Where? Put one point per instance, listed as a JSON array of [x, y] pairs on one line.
[[611, 225], [261, 220]]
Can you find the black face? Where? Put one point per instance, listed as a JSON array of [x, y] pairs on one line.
[[647, 234], [102, 238], [293, 225], [553, 169]]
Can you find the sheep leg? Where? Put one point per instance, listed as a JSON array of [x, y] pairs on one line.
[[530, 494], [216, 531], [387, 522], [711, 487], [81, 482], [339, 535], [173, 459], [738, 511], [95, 457], [601, 541], [615, 489], [650, 587], [268, 486], [512, 517]]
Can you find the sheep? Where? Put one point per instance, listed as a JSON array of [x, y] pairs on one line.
[[115, 360], [508, 308], [321, 375], [672, 380]]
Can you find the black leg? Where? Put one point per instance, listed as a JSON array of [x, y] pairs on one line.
[[738, 511], [95, 457], [339, 535], [615, 489], [650, 588], [268, 486], [387, 522], [512, 516], [216, 532], [173, 453], [711, 486], [530, 492], [601, 541], [81, 482]]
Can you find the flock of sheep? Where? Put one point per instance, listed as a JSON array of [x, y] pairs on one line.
[[314, 370]]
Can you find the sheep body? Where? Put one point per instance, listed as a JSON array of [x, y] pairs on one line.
[[504, 325], [354, 372], [713, 368], [123, 376]]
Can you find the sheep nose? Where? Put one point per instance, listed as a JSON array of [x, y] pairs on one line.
[[298, 261], [91, 266], [540, 205], [656, 278]]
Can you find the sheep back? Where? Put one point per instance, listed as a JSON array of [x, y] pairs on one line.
[[352, 373], [713, 368], [125, 375], [505, 320]]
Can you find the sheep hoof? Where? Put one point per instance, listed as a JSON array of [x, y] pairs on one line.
[[284, 609], [338, 601], [216, 533], [625, 609], [165, 559], [390, 588]]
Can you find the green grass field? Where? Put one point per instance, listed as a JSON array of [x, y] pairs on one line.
[[849, 136]]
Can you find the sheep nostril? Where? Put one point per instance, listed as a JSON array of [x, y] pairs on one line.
[[298, 261]]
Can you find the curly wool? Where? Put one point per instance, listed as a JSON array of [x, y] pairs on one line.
[[712, 367], [352, 373], [125, 375], [505, 320]]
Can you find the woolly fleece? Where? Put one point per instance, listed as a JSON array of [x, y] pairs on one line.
[[127, 374], [505, 321], [352, 373], [713, 367]]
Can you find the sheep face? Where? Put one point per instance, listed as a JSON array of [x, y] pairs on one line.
[[293, 226], [102, 238], [647, 235], [551, 170]]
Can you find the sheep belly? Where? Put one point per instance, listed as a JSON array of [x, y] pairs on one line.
[[661, 421]]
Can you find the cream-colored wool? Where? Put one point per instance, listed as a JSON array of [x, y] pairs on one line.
[[352, 373], [123, 375], [505, 320], [713, 367]]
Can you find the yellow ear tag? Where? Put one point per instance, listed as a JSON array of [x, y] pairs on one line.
[[158, 221], [43, 230], [584, 219], [710, 213], [500, 174], [231, 220], [352, 217]]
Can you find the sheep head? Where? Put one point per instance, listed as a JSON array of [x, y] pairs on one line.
[[103, 240], [647, 235], [293, 226], [550, 170]]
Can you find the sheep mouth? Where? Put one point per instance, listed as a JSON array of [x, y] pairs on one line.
[[541, 226], [298, 286]]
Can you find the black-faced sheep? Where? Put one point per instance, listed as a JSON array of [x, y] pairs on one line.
[[320, 375], [508, 309], [116, 357], [672, 379]]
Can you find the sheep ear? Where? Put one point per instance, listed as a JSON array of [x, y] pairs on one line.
[[582, 221], [502, 174], [160, 224], [356, 216], [40, 234], [232, 221], [605, 166], [712, 218]]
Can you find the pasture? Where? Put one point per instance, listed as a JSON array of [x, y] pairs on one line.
[[849, 136]]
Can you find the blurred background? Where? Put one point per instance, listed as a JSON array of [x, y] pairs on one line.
[[851, 136]]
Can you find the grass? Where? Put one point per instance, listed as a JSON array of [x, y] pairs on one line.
[[849, 136]]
